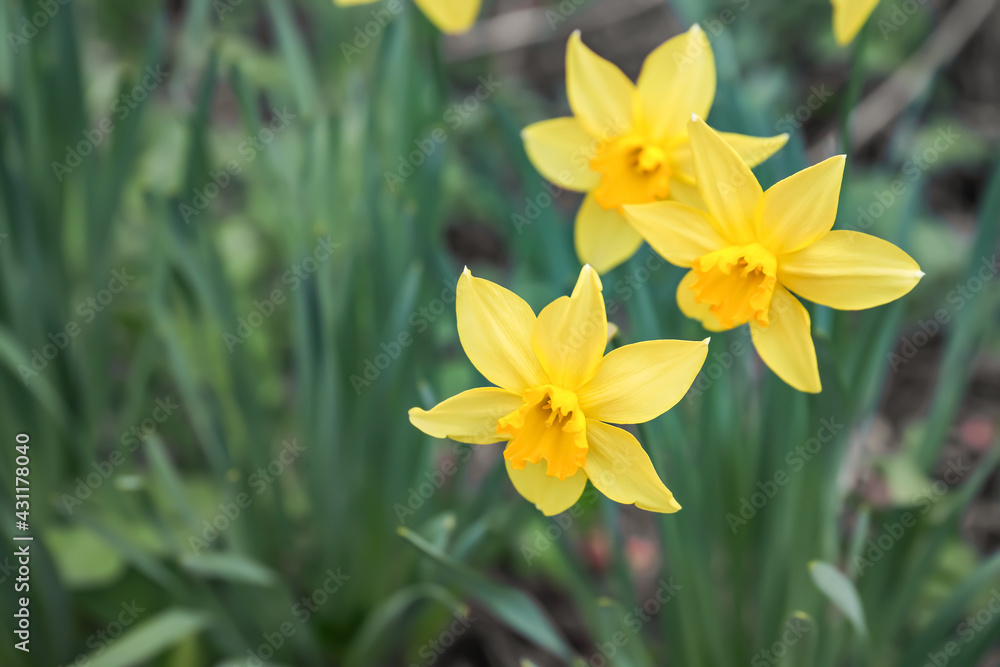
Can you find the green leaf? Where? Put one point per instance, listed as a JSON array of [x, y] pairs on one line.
[[83, 559], [841, 592], [229, 566], [385, 619], [149, 639], [13, 356], [950, 612], [512, 606]]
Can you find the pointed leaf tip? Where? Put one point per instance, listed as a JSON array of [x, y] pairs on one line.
[[841, 591]]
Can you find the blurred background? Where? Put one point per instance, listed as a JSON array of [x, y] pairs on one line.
[[230, 232]]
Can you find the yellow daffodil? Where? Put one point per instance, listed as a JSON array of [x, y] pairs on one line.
[[451, 16], [751, 247], [848, 18], [556, 392], [627, 143]]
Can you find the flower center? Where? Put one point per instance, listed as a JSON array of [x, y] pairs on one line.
[[550, 426], [633, 170], [737, 283]]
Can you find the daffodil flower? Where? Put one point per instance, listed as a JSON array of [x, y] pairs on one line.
[[848, 18], [556, 393], [450, 16], [627, 143], [752, 247]]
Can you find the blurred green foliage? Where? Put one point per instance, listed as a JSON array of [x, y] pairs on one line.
[[293, 302]]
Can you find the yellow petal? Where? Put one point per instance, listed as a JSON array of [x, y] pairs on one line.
[[549, 494], [600, 95], [786, 344], [639, 382], [730, 190], [561, 149], [682, 160], [680, 233], [468, 417], [800, 209], [572, 332], [621, 470], [451, 16], [695, 309], [849, 16], [677, 79], [752, 150], [686, 193], [849, 271], [495, 327], [603, 238]]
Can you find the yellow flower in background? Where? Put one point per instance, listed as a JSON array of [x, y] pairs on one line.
[[451, 16], [849, 16], [556, 392], [752, 247], [627, 143]]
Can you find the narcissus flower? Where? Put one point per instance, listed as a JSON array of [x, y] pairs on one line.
[[556, 393], [627, 143], [849, 16], [451, 16], [751, 247]]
